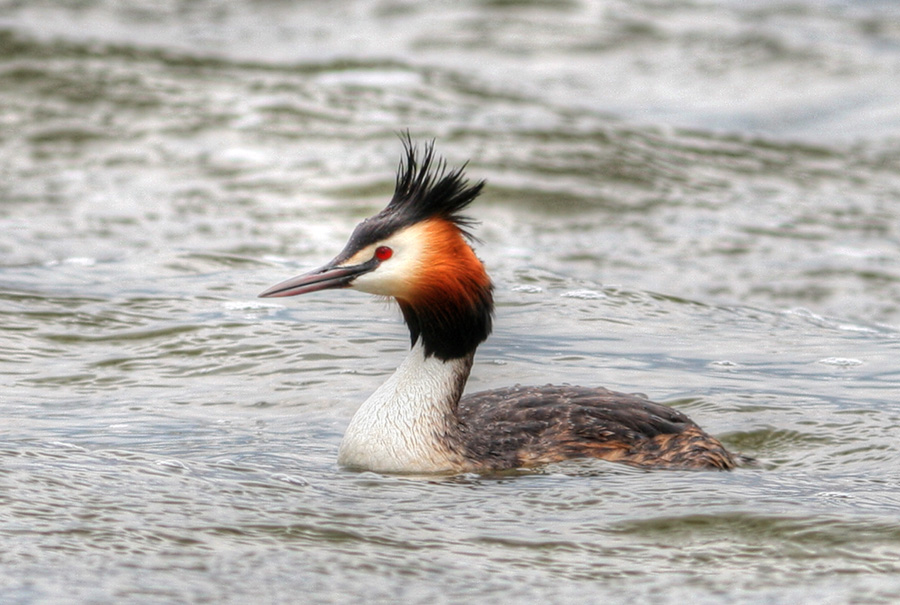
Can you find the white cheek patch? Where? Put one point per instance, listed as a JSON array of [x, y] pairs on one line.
[[396, 275], [360, 257], [383, 281]]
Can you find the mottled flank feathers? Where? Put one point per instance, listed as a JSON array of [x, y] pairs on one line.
[[527, 426]]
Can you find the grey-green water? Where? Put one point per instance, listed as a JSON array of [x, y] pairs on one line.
[[698, 201]]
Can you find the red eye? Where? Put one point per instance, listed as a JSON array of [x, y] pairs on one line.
[[383, 253]]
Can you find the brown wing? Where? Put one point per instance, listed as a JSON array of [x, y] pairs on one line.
[[525, 426]]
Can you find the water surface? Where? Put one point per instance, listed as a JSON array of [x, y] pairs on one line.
[[694, 201]]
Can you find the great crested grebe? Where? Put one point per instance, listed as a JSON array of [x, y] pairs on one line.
[[416, 251]]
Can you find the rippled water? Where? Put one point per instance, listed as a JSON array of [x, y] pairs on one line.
[[696, 201]]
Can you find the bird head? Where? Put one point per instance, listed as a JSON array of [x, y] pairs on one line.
[[417, 251]]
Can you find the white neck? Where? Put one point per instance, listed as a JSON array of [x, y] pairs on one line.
[[409, 424]]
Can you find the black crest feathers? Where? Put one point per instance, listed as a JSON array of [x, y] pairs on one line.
[[425, 189]]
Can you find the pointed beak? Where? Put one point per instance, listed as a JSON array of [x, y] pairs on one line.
[[330, 276]]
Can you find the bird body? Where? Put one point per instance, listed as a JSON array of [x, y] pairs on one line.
[[416, 252]]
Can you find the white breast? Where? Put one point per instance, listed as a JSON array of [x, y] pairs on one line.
[[405, 425]]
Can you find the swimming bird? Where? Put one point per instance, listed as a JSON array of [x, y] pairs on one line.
[[418, 251]]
